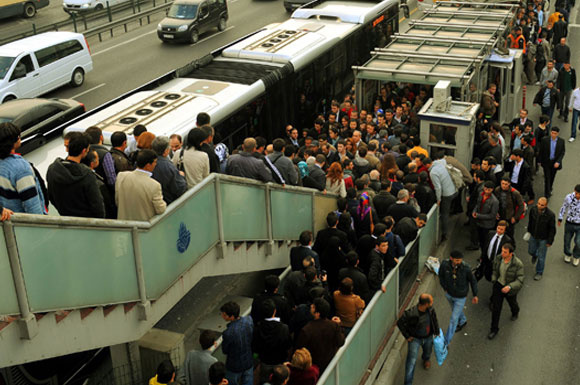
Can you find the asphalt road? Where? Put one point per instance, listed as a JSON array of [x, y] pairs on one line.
[[132, 59], [54, 14], [541, 347]]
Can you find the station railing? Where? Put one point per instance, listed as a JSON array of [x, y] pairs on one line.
[[52, 263], [353, 359]]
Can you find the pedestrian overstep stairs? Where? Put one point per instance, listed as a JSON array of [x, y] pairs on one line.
[[69, 331]]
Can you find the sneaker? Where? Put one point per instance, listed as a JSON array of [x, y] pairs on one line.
[[537, 277], [426, 365], [537, 83], [571, 139], [576, 261], [567, 258], [459, 327]]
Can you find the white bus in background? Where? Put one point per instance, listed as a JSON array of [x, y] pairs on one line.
[[38, 64], [252, 86]]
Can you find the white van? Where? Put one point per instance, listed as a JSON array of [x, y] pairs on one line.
[[74, 6], [38, 64]]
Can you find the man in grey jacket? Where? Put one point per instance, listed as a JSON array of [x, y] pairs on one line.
[[245, 165], [445, 190], [283, 163], [485, 213], [195, 369]]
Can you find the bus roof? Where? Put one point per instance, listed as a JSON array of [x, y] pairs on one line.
[[354, 11]]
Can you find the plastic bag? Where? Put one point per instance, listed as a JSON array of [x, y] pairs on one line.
[[440, 348], [433, 264]]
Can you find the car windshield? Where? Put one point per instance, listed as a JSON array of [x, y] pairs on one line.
[[5, 64], [183, 11]]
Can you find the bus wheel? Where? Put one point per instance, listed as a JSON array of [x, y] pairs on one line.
[[29, 10]]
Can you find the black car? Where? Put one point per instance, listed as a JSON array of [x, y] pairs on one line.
[[39, 119], [187, 19]]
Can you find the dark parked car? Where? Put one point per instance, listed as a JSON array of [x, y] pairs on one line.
[[39, 119], [187, 19]]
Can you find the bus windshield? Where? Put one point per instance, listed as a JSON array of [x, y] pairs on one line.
[[183, 11], [5, 64]]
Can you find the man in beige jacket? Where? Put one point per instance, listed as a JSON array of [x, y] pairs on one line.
[[138, 196]]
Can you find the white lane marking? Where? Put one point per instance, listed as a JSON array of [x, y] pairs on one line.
[[125, 42], [215, 34], [87, 91]]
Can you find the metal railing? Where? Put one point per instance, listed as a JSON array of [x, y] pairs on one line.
[[352, 360], [79, 22], [43, 257]]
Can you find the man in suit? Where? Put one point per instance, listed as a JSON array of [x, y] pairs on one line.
[[138, 196], [520, 174], [298, 253], [359, 279], [323, 236], [552, 150], [522, 120], [494, 242]]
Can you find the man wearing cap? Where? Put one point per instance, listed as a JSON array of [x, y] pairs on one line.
[[455, 277]]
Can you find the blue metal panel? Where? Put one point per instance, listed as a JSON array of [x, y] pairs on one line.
[[178, 241]]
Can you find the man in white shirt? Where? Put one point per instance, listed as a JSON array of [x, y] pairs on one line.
[[574, 106]]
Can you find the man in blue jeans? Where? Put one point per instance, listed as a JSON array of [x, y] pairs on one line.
[[237, 345], [418, 325], [542, 229], [455, 277], [571, 208]]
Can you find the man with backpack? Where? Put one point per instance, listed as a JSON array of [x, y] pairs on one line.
[[282, 163], [445, 189], [511, 204]]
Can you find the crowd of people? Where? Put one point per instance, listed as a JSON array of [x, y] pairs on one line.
[[386, 182]]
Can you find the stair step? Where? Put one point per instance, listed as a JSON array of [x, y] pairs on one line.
[[86, 312], [108, 309], [129, 306], [60, 315]]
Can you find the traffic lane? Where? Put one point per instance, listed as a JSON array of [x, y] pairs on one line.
[[137, 57], [48, 15], [55, 13], [541, 346]]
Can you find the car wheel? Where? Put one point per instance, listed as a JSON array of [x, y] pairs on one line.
[[78, 77], [222, 24], [29, 10], [9, 98], [194, 37], [99, 7], [288, 9]]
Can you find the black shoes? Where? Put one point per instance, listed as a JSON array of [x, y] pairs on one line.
[[492, 335], [514, 317], [472, 247], [459, 327]]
